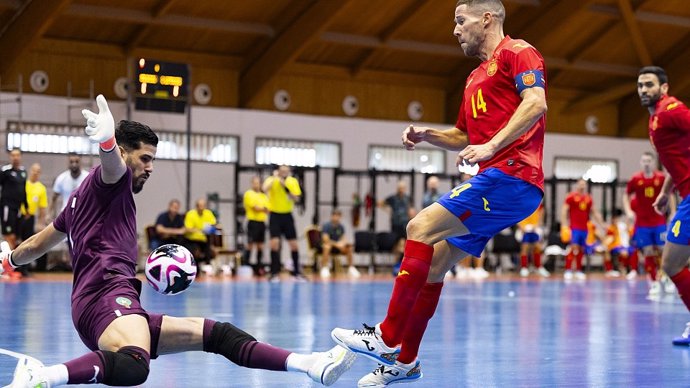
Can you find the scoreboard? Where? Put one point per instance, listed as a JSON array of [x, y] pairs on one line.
[[161, 86]]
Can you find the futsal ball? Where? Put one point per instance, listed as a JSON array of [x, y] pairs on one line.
[[170, 269]]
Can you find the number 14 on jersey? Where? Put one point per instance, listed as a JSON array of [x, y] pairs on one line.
[[478, 103]]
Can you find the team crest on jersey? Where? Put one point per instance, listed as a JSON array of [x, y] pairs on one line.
[[529, 79], [492, 68], [122, 301], [656, 182], [640, 182]]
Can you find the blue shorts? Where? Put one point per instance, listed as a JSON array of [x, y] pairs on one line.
[[679, 228], [578, 237], [530, 238], [488, 203], [618, 250], [650, 236]]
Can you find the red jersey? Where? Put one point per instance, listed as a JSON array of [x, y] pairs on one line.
[[645, 191], [580, 207], [669, 130], [492, 94]]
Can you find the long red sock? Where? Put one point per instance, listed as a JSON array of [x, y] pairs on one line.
[[633, 261], [409, 282], [537, 258], [423, 310], [569, 261], [623, 262], [608, 266], [682, 282], [650, 266], [523, 261], [578, 260]]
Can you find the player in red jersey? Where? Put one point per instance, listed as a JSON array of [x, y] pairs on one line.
[[669, 131], [501, 126], [650, 227], [576, 211]]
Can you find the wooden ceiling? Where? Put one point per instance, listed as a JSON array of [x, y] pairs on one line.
[[593, 48]]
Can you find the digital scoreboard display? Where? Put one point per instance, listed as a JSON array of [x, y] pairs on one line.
[[161, 86]]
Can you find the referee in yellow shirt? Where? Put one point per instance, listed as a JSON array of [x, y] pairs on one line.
[[35, 216], [282, 190], [256, 209]]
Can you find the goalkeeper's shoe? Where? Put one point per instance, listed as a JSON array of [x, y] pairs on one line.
[[331, 365], [367, 342], [29, 374]]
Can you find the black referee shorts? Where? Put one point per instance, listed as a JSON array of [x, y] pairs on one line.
[[10, 220], [282, 224], [256, 232]]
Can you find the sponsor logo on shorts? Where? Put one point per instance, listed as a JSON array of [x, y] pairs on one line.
[[122, 301], [403, 272], [486, 204]]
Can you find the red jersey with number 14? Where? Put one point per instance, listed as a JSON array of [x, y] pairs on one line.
[[491, 97], [669, 130], [646, 190], [579, 206]]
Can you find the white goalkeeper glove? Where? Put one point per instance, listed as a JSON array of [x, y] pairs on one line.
[[5, 254], [100, 128]]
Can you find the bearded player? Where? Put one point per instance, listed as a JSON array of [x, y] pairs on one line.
[[100, 224], [501, 126], [669, 131]]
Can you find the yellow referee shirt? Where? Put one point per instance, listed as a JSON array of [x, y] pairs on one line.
[[37, 197], [278, 199], [252, 199], [192, 220]]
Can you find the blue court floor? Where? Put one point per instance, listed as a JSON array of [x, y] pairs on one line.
[[545, 333]]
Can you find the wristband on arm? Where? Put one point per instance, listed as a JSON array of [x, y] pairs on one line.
[[108, 145]]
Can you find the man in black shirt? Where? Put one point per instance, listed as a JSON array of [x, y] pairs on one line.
[[170, 225], [13, 196]]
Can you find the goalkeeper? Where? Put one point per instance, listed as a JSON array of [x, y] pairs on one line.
[[99, 223]]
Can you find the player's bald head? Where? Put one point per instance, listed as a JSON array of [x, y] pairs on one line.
[[495, 7]]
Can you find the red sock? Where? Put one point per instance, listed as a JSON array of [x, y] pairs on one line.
[[423, 310], [409, 282], [608, 266], [682, 282], [622, 261], [537, 259], [578, 260], [523, 261], [650, 266], [633, 261], [569, 261]]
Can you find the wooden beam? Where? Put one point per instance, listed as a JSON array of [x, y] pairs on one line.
[[287, 47], [597, 99], [161, 8], [171, 20], [366, 75], [642, 16], [112, 51], [26, 27], [635, 34], [390, 30], [550, 19]]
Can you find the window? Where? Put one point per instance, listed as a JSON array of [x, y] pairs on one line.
[[297, 153], [423, 160], [594, 170], [63, 139]]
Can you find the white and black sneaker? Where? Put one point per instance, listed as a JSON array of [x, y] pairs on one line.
[[385, 375], [331, 365], [367, 342]]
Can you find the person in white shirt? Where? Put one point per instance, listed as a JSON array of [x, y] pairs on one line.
[[66, 183]]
